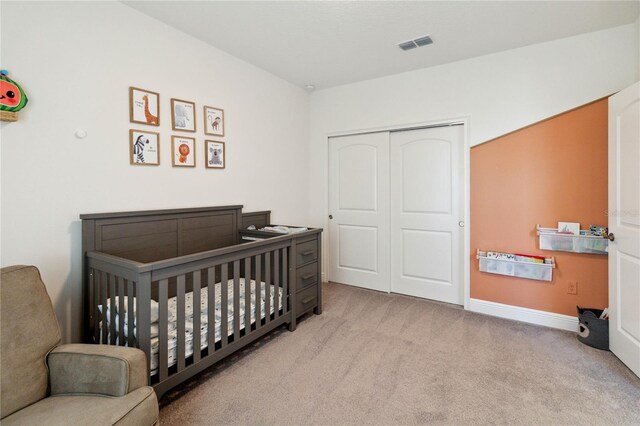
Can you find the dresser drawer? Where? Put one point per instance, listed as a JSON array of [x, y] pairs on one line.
[[307, 275], [306, 299], [307, 251]]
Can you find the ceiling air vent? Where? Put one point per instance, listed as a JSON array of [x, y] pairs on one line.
[[407, 45], [419, 42]]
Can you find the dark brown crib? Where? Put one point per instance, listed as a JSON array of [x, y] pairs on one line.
[[146, 271]]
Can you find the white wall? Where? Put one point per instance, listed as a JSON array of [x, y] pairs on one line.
[[499, 93], [76, 61], [637, 39]]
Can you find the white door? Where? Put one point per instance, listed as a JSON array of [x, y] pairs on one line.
[[427, 213], [359, 210], [624, 223]]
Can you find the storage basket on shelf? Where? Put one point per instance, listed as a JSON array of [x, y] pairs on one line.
[[550, 239], [516, 268]]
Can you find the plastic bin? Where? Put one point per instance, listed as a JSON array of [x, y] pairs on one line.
[[592, 244], [592, 330], [512, 268]]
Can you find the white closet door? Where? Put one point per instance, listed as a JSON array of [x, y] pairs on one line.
[[624, 224], [427, 210], [359, 207]]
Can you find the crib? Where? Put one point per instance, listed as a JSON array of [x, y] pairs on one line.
[[191, 286]]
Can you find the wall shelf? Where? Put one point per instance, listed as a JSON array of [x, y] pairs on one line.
[[516, 268], [550, 239]]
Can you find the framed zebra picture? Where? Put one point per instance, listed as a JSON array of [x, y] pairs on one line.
[[214, 155], [183, 151], [144, 106], [213, 121], [144, 148]]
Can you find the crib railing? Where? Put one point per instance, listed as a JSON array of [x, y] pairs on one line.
[[121, 292]]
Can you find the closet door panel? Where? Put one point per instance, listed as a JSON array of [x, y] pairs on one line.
[[426, 181], [359, 207]]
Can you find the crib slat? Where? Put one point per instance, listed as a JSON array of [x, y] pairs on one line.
[[130, 317], [112, 309], [224, 302], [103, 290], [181, 322], [267, 287], [247, 295], [211, 309], [121, 315], [196, 316], [163, 331], [92, 303], [97, 294], [258, 287], [236, 300], [285, 281], [276, 283]]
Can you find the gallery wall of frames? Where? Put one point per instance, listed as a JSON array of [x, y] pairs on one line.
[[145, 147]]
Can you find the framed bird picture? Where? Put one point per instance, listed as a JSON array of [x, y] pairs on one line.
[[144, 148], [144, 106], [213, 121]]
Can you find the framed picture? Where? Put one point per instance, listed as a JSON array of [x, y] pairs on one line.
[[214, 154], [144, 148], [183, 151], [213, 121], [183, 115], [144, 106]]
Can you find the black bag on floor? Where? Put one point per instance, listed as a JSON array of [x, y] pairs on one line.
[[592, 330]]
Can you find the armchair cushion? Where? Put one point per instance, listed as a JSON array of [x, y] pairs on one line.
[[139, 408], [28, 331], [96, 369]]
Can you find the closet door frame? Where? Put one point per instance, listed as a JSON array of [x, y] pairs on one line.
[[464, 121]]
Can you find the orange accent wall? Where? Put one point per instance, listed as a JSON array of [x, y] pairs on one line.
[[552, 171]]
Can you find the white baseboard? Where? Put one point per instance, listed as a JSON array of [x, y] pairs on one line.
[[532, 316]]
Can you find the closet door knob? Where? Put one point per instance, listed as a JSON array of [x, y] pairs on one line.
[[611, 237], [461, 224], [330, 216]]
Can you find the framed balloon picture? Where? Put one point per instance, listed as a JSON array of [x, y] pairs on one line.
[[183, 151]]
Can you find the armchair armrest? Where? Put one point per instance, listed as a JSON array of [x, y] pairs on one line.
[[96, 369]]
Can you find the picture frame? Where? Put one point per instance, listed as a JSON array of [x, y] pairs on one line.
[[183, 115], [213, 121], [144, 106], [144, 148], [183, 151], [215, 154]]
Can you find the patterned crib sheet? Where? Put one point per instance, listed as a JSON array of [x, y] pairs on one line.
[[172, 343]]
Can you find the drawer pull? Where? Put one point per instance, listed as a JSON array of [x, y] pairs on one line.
[[306, 277], [307, 300], [306, 253]]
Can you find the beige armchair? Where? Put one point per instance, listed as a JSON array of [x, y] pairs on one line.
[[43, 382]]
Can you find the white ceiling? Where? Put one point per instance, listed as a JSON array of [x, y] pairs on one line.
[[329, 43]]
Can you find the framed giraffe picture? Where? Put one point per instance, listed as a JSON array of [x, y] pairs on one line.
[[213, 121], [144, 148], [144, 106], [214, 155]]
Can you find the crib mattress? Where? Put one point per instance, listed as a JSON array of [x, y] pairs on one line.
[[172, 344]]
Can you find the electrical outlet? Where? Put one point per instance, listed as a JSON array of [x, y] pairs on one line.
[[572, 287]]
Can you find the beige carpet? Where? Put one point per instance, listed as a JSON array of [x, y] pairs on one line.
[[373, 358]]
